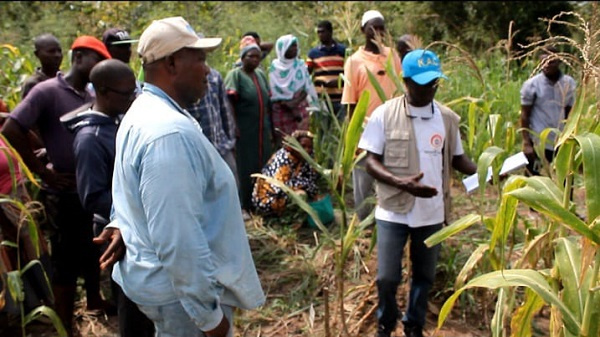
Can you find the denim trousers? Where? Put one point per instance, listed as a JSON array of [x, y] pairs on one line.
[[171, 320], [391, 239]]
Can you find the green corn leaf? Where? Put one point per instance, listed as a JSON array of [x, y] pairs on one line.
[[376, 86], [540, 147], [568, 261], [509, 139], [483, 164], [34, 235], [507, 212], [354, 132], [48, 312], [515, 278], [563, 163], [497, 323], [590, 149], [469, 266], [542, 195], [391, 72], [448, 231], [522, 320], [494, 124], [9, 244], [572, 123], [471, 120], [455, 102], [15, 286]]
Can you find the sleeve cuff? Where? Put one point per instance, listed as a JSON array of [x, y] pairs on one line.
[[112, 224]]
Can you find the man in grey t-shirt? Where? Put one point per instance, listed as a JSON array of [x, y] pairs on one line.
[[546, 100]]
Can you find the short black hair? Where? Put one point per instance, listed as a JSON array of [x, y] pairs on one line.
[[325, 24], [253, 34]]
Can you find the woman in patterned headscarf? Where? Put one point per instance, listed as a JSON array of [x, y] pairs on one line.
[[291, 89]]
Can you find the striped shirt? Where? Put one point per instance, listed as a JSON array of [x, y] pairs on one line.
[[214, 114], [327, 62]]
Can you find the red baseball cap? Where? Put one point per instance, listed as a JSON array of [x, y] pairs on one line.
[[90, 42]]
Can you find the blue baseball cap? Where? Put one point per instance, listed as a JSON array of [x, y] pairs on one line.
[[422, 66]]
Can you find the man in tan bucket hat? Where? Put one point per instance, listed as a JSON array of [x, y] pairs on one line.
[[188, 262]]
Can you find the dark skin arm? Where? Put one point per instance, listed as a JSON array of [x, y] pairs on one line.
[[412, 184], [232, 101], [19, 139], [266, 46], [295, 101], [409, 184], [528, 150], [463, 164]]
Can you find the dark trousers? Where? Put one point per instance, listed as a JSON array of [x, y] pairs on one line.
[[132, 322], [73, 252], [391, 239], [534, 167]]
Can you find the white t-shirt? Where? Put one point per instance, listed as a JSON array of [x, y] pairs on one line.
[[430, 134]]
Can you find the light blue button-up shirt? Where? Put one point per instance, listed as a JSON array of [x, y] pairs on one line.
[[176, 203]]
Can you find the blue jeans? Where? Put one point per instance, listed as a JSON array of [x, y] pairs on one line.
[[172, 320], [391, 239]]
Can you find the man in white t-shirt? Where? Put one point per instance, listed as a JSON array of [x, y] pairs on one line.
[[412, 143]]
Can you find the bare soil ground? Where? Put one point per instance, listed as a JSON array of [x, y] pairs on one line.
[[297, 277]]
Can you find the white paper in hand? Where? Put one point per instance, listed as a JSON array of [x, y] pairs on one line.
[[511, 164]]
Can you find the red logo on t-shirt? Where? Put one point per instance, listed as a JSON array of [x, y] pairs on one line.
[[436, 141]]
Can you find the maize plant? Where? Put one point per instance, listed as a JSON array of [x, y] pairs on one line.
[[558, 264]]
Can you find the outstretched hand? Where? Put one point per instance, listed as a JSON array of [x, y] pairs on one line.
[[115, 250], [413, 186]]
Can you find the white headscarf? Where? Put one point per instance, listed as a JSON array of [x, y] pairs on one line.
[[288, 76]]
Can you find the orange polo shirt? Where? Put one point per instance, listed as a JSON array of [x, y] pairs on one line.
[[355, 70]]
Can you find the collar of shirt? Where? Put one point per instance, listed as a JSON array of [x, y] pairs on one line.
[[328, 47], [61, 81], [156, 91]]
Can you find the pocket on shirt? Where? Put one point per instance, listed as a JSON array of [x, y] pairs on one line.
[[396, 149]]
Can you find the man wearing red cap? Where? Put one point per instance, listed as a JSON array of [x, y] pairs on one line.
[[73, 252]]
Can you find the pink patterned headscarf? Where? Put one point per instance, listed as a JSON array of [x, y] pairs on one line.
[[247, 40], [247, 44]]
